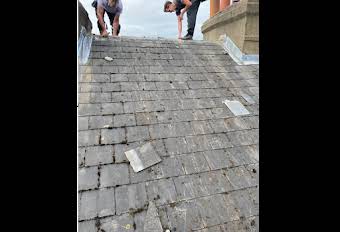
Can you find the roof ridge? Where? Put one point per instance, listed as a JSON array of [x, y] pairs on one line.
[[146, 38]]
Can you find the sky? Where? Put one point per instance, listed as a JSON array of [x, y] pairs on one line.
[[146, 18]]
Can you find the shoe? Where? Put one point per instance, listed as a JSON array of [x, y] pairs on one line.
[[187, 37]]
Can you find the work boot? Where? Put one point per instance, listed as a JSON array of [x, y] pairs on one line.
[[187, 37]]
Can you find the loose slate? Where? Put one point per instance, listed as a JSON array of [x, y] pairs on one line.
[[107, 58], [152, 222], [236, 107], [142, 157]]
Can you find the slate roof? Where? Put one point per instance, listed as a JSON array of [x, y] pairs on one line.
[[170, 94]]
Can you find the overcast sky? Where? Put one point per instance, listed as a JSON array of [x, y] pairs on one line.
[[146, 18]]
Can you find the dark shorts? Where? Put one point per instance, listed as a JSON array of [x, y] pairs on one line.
[[111, 16]]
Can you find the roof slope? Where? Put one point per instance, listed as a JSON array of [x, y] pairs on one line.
[[169, 94]]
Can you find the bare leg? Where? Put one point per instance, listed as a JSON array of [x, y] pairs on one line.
[[115, 26]]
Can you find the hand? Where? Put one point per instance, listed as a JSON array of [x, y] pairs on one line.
[[104, 34]]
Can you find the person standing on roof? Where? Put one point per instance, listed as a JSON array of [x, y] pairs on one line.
[[113, 9], [180, 7]]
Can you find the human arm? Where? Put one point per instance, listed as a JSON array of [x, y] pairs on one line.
[[185, 9], [179, 21], [100, 16]]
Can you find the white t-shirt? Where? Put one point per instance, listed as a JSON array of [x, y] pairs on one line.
[[117, 9]]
